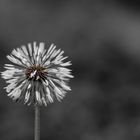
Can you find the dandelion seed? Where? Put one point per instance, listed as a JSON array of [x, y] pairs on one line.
[[36, 75]]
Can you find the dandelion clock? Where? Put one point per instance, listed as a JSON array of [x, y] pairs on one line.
[[37, 76]]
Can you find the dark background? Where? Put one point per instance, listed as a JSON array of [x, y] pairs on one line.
[[102, 38]]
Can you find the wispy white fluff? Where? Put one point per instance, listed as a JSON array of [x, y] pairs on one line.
[[37, 75]]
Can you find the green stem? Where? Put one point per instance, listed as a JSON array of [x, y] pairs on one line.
[[37, 123]]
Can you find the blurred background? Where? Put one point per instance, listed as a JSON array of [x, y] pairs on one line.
[[102, 38]]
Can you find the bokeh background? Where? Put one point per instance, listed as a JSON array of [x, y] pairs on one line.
[[102, 38]]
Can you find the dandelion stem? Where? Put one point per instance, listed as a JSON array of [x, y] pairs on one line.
[[37, 123]]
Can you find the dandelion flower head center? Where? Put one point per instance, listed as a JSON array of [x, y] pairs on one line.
[[36, 72]]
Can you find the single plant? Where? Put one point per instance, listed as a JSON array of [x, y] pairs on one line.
[[37, 76]]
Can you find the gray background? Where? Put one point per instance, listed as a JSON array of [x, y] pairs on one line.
[[102, 38]]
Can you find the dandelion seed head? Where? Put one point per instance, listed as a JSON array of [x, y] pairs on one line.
[[37, 75]]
